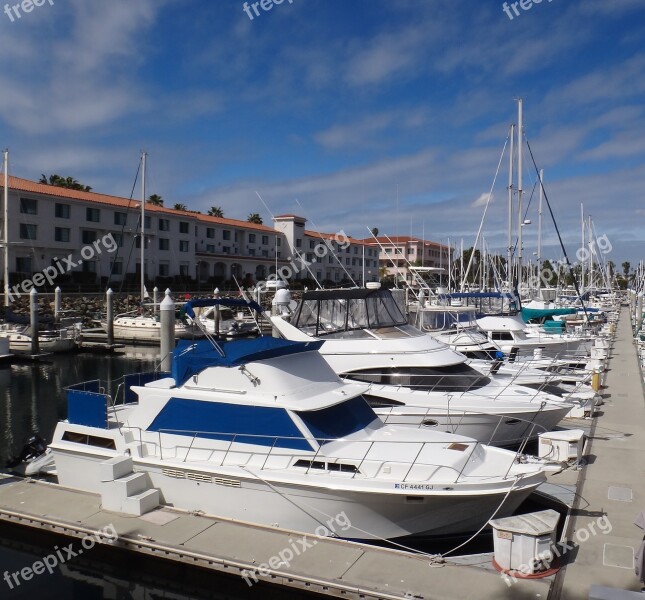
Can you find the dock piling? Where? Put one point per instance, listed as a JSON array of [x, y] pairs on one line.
[[167, 314], [33, 313], [109, 309]]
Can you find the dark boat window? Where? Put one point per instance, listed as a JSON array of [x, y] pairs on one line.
[[339, 420], [453, 378]]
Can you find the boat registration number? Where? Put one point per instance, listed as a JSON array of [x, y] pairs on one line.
[[413, 486]]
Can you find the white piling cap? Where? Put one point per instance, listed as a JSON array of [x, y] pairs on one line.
[[167, 303], [33, 292], [109, 292]]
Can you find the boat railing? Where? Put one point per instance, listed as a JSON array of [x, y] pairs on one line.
[[274, 450]]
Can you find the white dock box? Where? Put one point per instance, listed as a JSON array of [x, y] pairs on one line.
[[561, 446], [525, 543]]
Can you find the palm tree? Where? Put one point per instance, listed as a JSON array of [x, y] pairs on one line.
[[374, 231], [626, 268], [215, 211], [65, 182], [255, 218], [179, 206], [155, 199]]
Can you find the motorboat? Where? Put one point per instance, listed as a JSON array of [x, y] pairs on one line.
[[510, 331], [146, 329], [414, 378], [263, 430], [58, 340]]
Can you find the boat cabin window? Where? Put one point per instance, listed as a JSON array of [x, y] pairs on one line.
[[338, 421], [501, 336], [453, 378], [348, 311]]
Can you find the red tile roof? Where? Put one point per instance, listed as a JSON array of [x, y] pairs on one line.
[[335, 236], [401, 239], [25, 185]]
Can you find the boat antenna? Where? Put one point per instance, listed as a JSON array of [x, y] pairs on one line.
[[329, 246], [298, 254]]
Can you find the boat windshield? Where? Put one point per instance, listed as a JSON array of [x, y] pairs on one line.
[[452, 378], [445, 320], [325, 314], [338, 421]]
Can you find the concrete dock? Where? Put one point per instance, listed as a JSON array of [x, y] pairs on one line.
[[612, 483], [609, 489]]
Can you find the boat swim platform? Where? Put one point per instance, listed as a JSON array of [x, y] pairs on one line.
[[327, 567]]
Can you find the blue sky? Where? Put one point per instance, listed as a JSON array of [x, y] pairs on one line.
[[337, 105]]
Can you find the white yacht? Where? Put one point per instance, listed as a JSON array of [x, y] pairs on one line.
[[510, 331], [145, 329], [49, 341], [263, 430], [414, 378]]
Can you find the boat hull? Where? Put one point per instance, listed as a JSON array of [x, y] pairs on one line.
[[312, 509]]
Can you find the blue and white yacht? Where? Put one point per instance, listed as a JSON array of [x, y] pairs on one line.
[[263, 430]]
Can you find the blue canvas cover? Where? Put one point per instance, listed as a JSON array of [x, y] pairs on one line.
[[192, 357]]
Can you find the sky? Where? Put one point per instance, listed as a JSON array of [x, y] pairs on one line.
[[351, 113]]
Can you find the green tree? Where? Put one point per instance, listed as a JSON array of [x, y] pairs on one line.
[[179, 206], [215, 211], [626, 268], [374, 231], [155, 199], [64, 182], [255, 218]]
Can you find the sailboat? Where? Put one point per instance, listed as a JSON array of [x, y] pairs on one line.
[[136, 326]]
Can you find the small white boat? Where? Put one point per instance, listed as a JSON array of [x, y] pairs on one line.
[[263, 430], [49, 341]]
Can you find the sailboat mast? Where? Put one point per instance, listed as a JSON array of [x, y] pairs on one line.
[[539, 240], [143, 226], [582, 262], [6, 227], [520, 217], [509, 250]]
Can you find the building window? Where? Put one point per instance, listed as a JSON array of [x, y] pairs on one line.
[[210, 232], [298, 243], [93, 215], [164, 225], [265, 240], [252, 252], [23, 264], [28, 206], [347, 261], [183, 270], [164, 244], [210, 248], [61, 234], [164, 269], [355, 249], [279, 241], [226, 249], [183, 227], [61, 211], [226, 234], [28, 232], [89, 266], [118, 238], [120, 218], [265, 253], [251, 238], [183, 245], [117, 267], [147, 223], [312, 243], [88, 237]]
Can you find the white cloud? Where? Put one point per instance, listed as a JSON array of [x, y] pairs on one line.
[[482, 200]]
